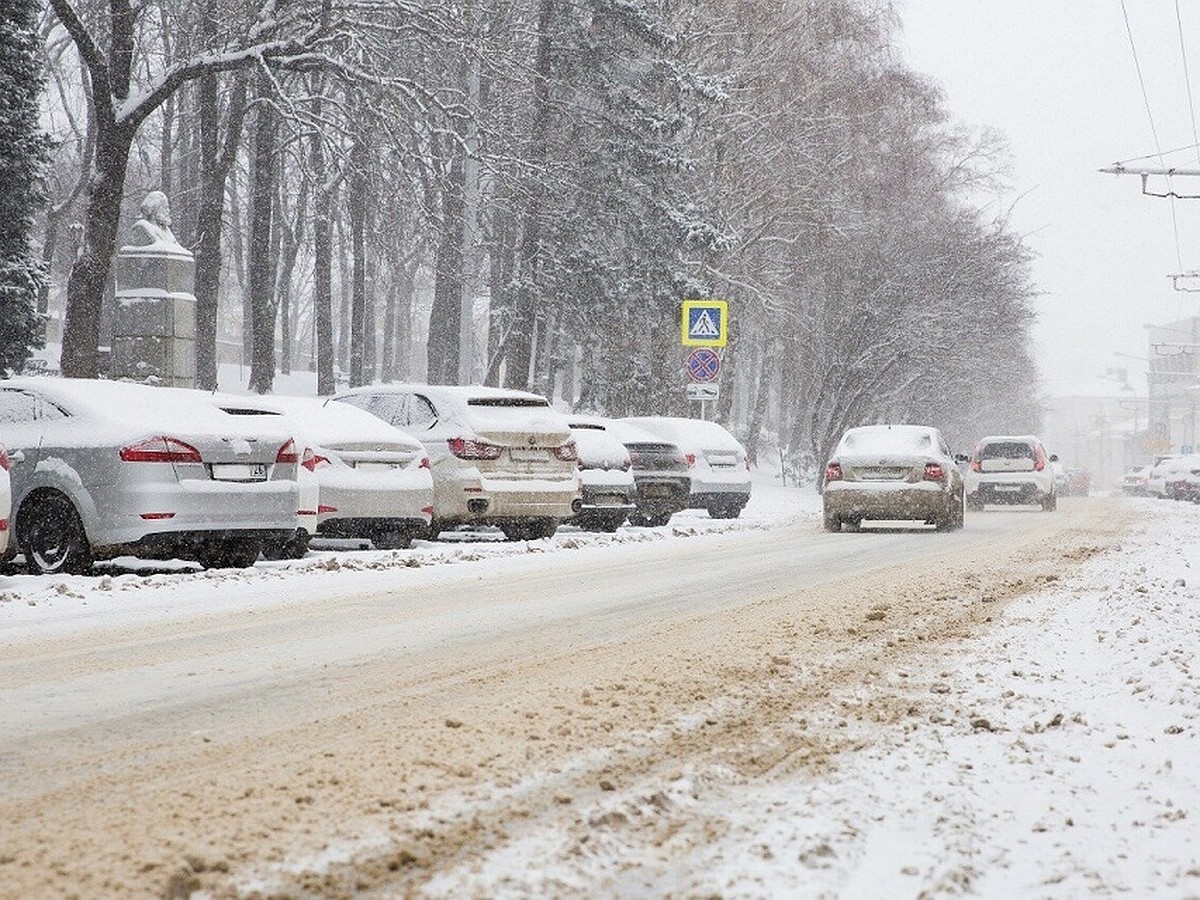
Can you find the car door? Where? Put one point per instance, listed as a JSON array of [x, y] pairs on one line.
[[22, 429]]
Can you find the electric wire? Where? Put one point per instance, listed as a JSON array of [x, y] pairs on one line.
[[1187, 80], [1153, 129]]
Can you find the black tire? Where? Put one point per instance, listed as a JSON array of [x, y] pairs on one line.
[[638, 519], [852, 524], [392, 539], [659, 519], [52, 538], [724, 511], [602, 523], [293, 548], [974, 503], [229, 553], [1050, 504], [832, 522]]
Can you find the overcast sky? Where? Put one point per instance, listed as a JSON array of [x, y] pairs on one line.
[[1058, 78]]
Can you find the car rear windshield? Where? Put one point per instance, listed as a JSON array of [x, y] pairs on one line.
[[887, 440], [1007, 450], [535, 402]]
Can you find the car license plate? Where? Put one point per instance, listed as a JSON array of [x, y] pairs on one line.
[[239, 472], [525, 455], [609, 500], [1008, 487], [375, 466], [656, 490]]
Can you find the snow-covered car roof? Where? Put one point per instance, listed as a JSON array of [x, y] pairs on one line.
[[597, 447], [624, 432], [882, 438], [688, 433], [129, 406], [323, 422], [460, 393]]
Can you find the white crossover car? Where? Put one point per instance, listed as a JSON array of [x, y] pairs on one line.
[[1011, 469], [499, 457]]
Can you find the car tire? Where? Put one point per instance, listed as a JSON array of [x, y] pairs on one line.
[[974, 503], [392, 539], [852, 525], [293, 548], [228, 553], [659, 520], [1050, 504], [831, 522], [958, 516], [607, 524], [723, 511], [52, 538], [638, 519]]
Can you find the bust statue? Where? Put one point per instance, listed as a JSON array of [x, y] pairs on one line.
[[154, 227]]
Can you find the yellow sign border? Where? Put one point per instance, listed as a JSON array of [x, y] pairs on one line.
[[722, 306]]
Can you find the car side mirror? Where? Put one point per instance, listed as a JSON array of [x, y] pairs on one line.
[[1053, 457], [961, 458]]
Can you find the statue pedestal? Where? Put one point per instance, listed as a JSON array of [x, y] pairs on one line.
[[154, 317]]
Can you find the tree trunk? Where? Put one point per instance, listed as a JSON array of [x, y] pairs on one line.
[[260, 269], [85, 288], [357, 200], [445, 316], [215, 163]]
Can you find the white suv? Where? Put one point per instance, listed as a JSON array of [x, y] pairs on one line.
[[499, 457], [1011, 469]]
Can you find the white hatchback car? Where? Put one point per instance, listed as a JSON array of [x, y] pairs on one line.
[[717, 462], [499, 457], [1011, 469]]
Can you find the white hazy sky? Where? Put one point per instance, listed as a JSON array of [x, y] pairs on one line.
[[1058, 78]]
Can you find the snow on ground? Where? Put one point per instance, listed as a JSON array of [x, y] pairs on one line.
[[1054, 755], [130, 591]]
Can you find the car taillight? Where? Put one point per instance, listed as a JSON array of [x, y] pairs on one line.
[[160, 449], [4, 463], [934, 472], [1039, 463], [465, 449], [313, 461], [976, 466], [627, 464], [691, 459], [566, 452], [833, 472], [287, 453], [425, 464]]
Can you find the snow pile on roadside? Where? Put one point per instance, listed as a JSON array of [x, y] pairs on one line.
[[134, 590], [1052, 755]]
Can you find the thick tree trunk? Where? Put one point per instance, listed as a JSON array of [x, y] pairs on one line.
[[215, 163], [519, 344], [261, 270], [85, 288], [357, 201], [445, 316], [291, 236]]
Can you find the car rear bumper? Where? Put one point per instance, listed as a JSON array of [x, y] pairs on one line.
[[347, 495], [196, 508], [494, 500], [1010, 493], [922, 501]]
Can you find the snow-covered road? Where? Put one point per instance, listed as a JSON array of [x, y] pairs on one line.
[[762, 711]]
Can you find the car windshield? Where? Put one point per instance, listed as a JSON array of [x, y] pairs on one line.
[[524, 402]]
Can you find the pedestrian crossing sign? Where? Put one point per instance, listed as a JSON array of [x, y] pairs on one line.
[[705, 323]]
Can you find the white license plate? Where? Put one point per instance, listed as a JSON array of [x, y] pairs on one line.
[[239, 472], [656, 490], [376, 466], [522, 454], [609, 500], [1012, 488]]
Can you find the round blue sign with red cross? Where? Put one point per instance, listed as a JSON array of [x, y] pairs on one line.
[[703, 365]]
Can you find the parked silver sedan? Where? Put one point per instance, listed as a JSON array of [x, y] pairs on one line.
[[101, 469]]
